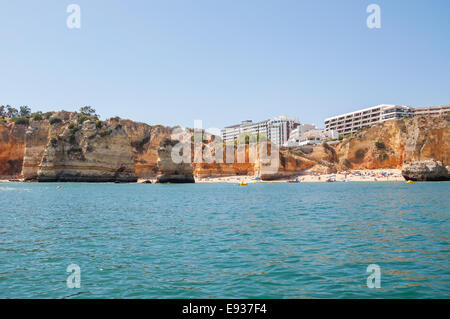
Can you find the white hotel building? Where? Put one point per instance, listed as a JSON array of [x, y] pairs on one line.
[[351, 122], [277, 130], [309, 134], [432, 110]]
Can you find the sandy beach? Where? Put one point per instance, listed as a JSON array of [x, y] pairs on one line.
[[377, 175]]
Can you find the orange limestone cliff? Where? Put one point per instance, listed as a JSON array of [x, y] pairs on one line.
[[67, 146], [392, 143], [86, 152], [12, 146], [145, 141]]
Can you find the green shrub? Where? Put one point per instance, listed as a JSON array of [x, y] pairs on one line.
[[360, 153], [73, 128], [118, 127], [140, 144], [105, 132], [38, 117], [21, 120], [54, 142], [82, 118], [380, 145], [72, 138], [99, 124], [55, 120]]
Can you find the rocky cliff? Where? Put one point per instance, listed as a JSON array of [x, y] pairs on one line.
[[170, 169], [87, 153], [12, 145], [66, 146], [145, 141], [393, 143]]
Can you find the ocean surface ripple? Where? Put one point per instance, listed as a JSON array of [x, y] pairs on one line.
[[306, 240]]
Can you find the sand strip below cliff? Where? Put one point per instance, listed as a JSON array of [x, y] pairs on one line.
[[377, 175]]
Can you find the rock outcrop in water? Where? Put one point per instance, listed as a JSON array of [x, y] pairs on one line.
[[426, 171]]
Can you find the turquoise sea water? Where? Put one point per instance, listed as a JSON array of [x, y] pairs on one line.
[[279, 240]]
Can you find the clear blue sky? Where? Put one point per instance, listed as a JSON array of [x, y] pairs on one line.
[[222, 61]]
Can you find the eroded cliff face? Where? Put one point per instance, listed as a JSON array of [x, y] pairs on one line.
[[260, 160], [385, 145], [170, 169], [87, 153], [12, 147], [36, 141], [77, 149], [145, 141], [231, 162], [74, 148], [428, 138], [393, 143]]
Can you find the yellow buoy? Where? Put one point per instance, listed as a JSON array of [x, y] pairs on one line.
[[410, 182], [243, 183]]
